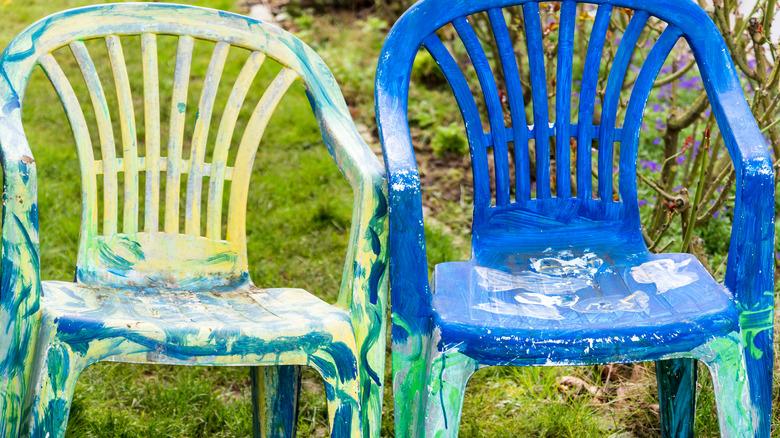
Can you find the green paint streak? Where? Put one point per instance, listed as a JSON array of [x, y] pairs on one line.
[[754, 321]]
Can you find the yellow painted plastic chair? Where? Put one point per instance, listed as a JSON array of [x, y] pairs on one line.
[[149, 293]]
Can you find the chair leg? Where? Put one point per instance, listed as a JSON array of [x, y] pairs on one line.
[[450, 372], [51, 390], [677, 396], [275, 391], [410, 371], [343, 411], [739, 416], [338, 368]]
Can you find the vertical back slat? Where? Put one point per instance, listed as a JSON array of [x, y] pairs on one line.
[[200, 138], [493, 103], [617, 75], [470, 114], [83, 145], [516, 105], [224, 135], [635, 111], [106, 133], [533, 34], [588, 100], [236, 228], [152, 129], [181, 80], [563, 99], [129, 146]]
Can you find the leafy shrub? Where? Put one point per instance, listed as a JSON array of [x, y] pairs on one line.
[[449, 140], [426, 71]]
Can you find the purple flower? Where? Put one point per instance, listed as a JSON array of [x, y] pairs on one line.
[[680, 159], [659, 124], [656, 141], [642, 202], [644, 127], [667, 69], [715, 215], [657, 108], [752, 63], [652, 165]]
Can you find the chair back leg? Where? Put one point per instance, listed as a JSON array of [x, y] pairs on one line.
[[677, 396]]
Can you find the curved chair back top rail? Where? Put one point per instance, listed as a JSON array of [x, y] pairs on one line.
[[505, 222], [139, 254]]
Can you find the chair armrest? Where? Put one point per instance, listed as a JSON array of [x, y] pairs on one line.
[[365, 269], [409, 286], [368, 233], [20, 284], [750, 266], [364, 281]]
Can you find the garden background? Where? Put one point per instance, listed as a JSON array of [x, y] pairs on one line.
[[300, 207]]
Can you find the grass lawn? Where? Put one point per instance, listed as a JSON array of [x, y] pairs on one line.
[[298, 219]]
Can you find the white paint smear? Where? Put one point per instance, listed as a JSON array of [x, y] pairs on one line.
[[493, 280], [636, 302], [526, 310], [585, 265], [665, 274]]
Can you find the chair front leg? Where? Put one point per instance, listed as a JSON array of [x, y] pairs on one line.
[[738, 415], [275, 391], [450, 372], [55, 373], [338, 368]]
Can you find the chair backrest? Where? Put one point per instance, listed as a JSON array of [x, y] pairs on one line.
[[141, 253], [502, 206]]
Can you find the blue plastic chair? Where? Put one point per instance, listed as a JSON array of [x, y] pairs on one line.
[[563, 279], [151, 293]]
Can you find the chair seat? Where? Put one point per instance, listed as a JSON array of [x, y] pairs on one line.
[[580, 307], [246, 326]]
